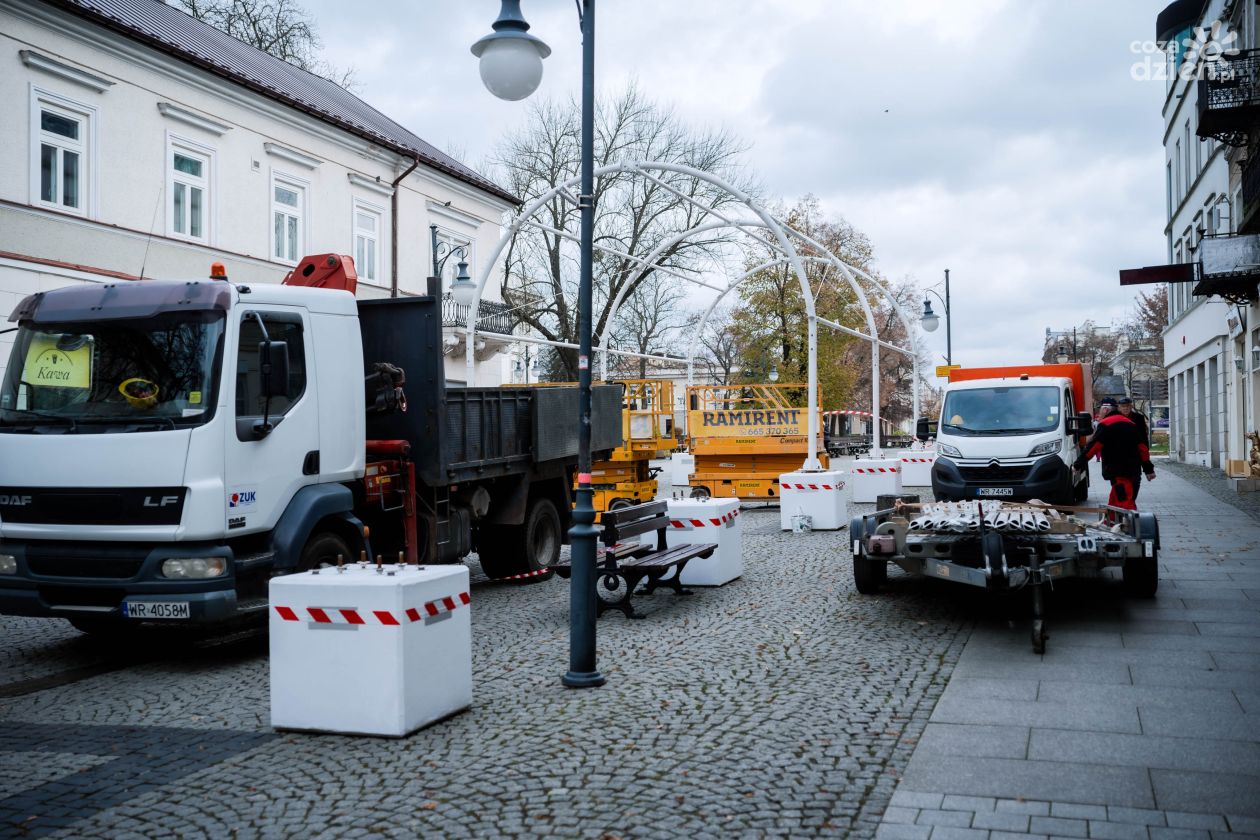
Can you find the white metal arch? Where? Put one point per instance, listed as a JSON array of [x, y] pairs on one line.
[[781, 242]]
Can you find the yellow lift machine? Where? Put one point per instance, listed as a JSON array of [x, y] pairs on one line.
[[744, 437]]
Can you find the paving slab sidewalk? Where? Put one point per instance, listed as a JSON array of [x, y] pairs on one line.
[[1142, 718]]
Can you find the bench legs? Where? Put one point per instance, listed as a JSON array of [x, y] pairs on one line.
[[613, 591], [674, 582]]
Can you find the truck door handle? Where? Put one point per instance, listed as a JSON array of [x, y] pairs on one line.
[[310, 464]]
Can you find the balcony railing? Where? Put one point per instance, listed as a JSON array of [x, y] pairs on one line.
[[1229, 97], [492, 316]]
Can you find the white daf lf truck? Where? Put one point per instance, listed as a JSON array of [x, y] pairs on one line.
[[1012, 433]]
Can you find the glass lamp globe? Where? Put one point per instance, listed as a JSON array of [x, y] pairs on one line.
[[463, 290], [930, 319]]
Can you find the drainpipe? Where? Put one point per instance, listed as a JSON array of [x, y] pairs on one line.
[[393, 228]]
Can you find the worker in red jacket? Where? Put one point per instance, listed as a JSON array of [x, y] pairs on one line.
[[1125, 456]]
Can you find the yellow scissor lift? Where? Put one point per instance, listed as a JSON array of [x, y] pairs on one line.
[[744, 437], [647, 419]]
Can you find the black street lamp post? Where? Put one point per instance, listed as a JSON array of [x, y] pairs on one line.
[[931, 320], [511, 67]]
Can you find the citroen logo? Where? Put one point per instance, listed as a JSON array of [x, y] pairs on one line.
[[995, 463]]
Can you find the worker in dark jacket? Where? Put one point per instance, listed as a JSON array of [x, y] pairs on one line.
[[1125, 456], [1127, 409]]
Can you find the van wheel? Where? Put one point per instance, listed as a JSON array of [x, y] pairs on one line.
[[322, 551]]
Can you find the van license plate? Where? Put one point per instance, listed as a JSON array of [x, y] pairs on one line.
[[155, 609], [996, 491]]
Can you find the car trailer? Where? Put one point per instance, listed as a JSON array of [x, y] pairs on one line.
[[1005, 546]]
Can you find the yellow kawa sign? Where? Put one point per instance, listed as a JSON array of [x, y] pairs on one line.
[[943, 370], [48, 366]]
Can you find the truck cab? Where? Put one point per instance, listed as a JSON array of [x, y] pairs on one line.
[[1010, 437], [164, 447]]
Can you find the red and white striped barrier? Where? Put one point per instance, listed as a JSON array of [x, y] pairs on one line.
[[916, 469], [361, 652], [873, 477], [355, 617], [812, 501], [838, 485], [725, 520], [711, 521], [525, 575]]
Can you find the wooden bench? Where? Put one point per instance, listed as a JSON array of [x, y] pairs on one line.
[[623, 562]]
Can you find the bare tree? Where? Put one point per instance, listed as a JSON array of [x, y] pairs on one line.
[[280, 28], [649, 321], [634, 216], [721, 348]]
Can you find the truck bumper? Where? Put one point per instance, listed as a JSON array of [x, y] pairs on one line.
[[70, 580], [1048, 479]]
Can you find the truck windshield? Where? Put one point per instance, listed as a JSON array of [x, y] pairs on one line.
[[118, 375], [1001, 411]]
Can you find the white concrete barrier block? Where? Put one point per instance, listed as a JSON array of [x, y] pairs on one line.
[[916, 469], [374, 653], [873, 477], [817, 495], [693, 521]]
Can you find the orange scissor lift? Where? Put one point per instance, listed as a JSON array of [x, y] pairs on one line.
[[647, 418], [744, 437]]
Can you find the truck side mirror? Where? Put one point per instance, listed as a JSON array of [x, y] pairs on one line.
[[273, 368], [1081, 424]]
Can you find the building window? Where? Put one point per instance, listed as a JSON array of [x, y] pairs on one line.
[[1189, 176], [1180, 179], [1169, 181], [61, 135], [288, 218], [188, 180], [367, 241], [451, 266]]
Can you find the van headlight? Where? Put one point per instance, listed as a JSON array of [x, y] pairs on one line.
[[1047, 448], [946, 449], [8, 564], [194, 568]]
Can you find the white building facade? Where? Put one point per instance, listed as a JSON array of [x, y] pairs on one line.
[[1196, 177], [141, 143]]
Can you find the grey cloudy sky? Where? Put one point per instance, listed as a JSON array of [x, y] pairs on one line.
[[1003, 139]]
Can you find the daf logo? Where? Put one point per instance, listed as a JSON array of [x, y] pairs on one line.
[[163, 502], [15, 501]]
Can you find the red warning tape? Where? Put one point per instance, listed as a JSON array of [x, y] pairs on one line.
[[353, 616]]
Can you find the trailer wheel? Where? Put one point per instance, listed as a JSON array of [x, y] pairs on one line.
[[1141, 574], [869, 573], [321, 551]]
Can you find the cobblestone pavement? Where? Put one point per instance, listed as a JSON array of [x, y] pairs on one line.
[[782, 704], [1214, 482]]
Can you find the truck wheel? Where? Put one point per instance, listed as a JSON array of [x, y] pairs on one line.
[[321, 551], [620, 504], [521, 549], [700, 493]]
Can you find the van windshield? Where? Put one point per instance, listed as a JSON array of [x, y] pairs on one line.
[[1001, 411]]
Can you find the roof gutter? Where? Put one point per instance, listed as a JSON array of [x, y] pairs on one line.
[[393, 228]]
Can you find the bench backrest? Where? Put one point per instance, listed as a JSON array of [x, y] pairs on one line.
[[632, 521]]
